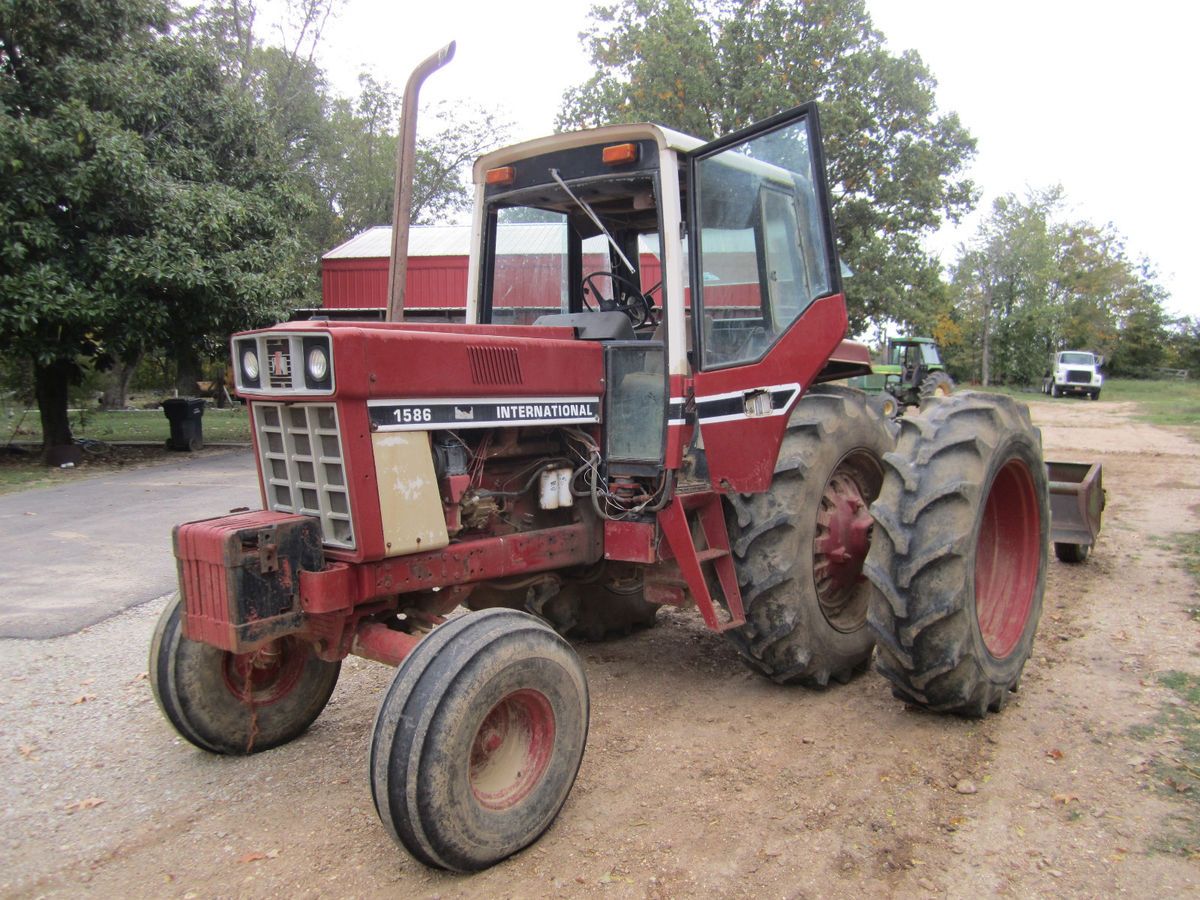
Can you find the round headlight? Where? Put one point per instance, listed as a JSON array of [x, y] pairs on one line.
[[318, 364], [250, 365]]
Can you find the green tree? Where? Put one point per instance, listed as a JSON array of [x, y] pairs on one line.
[[895, 163], [1030, 283], [146, 202], [361, 166]]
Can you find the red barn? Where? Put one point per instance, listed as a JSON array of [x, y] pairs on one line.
[[354, 275]]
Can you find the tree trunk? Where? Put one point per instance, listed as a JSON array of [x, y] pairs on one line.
[[187, 371], [987, 337], [116, 395], [50, 385]]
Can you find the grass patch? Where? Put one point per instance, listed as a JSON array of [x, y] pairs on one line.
[[1176, 770], [1171, 403], [219, 426]]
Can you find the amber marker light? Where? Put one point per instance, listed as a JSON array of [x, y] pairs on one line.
[[616, 154], [502, 175]]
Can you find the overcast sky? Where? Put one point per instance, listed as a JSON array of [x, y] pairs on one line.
[[1097, 96]]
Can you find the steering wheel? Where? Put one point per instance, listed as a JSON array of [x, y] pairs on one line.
[[627, 297]]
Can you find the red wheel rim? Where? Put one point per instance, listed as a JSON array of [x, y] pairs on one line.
[[268, 674], [512, 749], [1007, 558], [843, 537]]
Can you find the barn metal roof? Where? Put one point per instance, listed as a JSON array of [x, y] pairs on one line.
[[455, 240]]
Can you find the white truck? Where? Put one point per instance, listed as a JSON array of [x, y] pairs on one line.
[[1073, 372]]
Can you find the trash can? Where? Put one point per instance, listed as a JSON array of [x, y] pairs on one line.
[[184, 414]]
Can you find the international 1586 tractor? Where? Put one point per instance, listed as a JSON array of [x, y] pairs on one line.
[[638, 411]]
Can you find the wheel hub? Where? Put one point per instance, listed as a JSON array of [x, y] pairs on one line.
[[512, 749], [267, 674], [1007, 559], [839, 550]]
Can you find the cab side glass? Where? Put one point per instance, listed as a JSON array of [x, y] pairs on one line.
[[763, 252]]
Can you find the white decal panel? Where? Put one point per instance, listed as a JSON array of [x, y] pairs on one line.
[[443, 414]]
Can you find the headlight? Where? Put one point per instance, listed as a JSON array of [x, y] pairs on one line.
[[250, 365], [318, 364]]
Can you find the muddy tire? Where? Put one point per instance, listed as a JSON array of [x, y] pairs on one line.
[[1071, 553], [478, 739], [935, 386], [884, 404], [959, 554], [799, 547], [607, 603], [236, 704]]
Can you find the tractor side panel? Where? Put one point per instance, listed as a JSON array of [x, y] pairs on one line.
[[743, 410]]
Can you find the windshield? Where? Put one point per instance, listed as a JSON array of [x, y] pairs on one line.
[[548, 255], [1076, 359]]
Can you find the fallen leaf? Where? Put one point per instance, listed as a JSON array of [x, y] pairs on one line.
[[1055, 753], [27, 751], [251, 857], [83, 698], [87, 681], [86, 803], [1064, 799], [141, 676]]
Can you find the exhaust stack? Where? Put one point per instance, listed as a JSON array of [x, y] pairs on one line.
[[406, 151]]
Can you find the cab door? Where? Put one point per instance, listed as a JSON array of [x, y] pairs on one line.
[[767, 304]]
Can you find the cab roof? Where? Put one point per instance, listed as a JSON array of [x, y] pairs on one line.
[[665, 138]]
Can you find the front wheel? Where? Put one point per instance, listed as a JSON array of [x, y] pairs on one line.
[[236, 703], [959, 555], [478, 739]]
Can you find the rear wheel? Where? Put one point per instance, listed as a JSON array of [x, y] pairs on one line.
[[935, 386], [236, 703], [799, 548], [959, 556], [478, 739]]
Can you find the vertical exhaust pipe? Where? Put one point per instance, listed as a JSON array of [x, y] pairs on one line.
[[406, 151]]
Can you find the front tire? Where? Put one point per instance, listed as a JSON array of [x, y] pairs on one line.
[[959, 556], [478, 739], [232, 703], [799, 548]]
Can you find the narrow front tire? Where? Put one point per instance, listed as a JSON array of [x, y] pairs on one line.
[[478, 739]]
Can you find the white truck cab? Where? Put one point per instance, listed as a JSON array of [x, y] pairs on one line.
[[1073, 372]]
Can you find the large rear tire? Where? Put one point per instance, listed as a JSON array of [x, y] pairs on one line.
[[233, 703], [799, 548], [478, 739], [606, 602], [935, 386], [959, 555]]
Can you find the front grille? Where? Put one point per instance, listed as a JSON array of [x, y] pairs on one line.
[[303, 469], [1079, 376], [279, 362]]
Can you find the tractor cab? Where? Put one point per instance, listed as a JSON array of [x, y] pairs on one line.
[[709, 266]]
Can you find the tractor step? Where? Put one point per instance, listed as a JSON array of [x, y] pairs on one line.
[[677, 528]]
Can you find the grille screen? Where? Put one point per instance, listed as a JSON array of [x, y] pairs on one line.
[[303, 470], [1079, 376]]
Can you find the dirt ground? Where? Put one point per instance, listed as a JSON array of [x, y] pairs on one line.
[[700, 778]]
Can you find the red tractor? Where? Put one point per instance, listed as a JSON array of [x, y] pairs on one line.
[[638, 411]]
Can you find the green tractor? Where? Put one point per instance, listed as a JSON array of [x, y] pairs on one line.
[[912, 375]]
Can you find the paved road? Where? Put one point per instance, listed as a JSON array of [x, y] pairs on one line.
[[76, 554]]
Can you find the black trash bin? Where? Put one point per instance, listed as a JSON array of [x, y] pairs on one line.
[[184, 414]]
